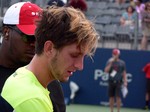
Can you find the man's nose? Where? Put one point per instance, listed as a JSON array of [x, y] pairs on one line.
[[32, 43], [79, 64]]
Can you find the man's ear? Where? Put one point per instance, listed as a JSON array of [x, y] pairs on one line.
[[48, 47], [5, 32]]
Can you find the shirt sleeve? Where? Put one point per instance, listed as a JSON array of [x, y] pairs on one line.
[[124, 16], [33, 105]]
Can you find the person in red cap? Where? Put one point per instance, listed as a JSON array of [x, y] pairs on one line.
[[146, 70], [18, 41], [116, 69]]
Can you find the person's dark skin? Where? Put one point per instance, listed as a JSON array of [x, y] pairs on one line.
[[14, 51]]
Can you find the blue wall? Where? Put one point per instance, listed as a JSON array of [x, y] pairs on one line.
[[93, 81]]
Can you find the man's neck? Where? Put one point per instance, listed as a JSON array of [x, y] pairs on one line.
[[38, 67]]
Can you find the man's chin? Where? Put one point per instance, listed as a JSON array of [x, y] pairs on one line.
[[64, 80], [30, 56]]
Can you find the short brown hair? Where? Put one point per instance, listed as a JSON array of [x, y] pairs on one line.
[[65, 26]]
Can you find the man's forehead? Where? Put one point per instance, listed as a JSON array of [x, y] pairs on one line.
[[76, 49]]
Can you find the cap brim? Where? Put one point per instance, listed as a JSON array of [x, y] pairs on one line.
[[27, 29]]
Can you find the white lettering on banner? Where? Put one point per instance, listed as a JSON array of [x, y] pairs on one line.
[[103, 77], [100, 74], [129, 77]]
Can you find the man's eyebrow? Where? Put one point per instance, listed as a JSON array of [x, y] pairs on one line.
[[78, 53]]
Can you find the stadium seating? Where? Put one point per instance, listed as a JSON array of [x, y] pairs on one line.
[[106, 16]]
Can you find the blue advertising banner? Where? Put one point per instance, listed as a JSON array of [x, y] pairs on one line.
[[92, 80]]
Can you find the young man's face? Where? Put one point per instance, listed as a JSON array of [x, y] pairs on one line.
[[66, 62]]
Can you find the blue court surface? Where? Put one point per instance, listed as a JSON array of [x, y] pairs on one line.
[[93, 108]]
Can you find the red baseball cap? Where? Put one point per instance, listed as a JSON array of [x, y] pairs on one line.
[[116, 52], [23, 15]]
